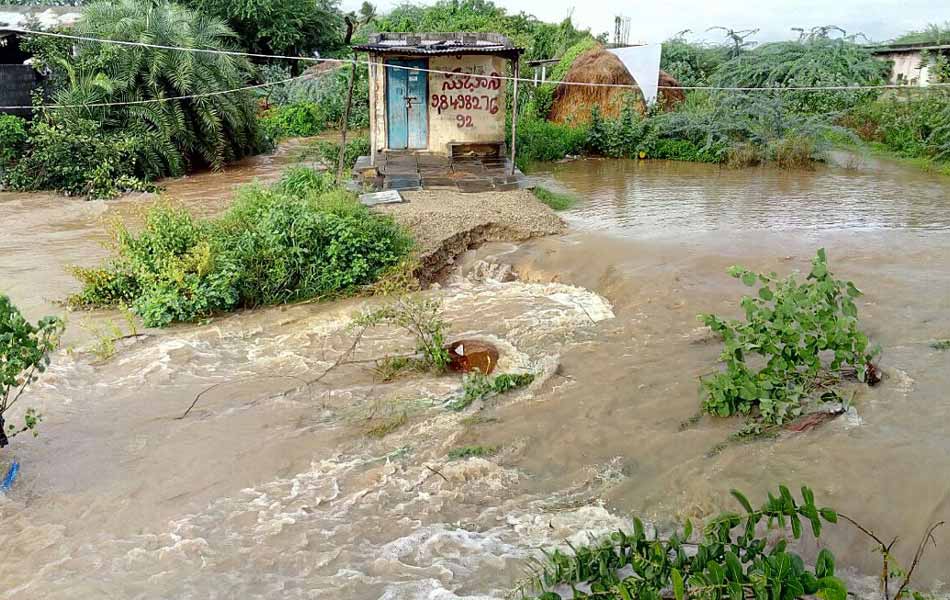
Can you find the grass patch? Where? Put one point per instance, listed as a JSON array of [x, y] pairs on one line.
[[474, 420], [387, 425], [464, 452], [477, 386], [299, 239], [555, 200], [941, 345]]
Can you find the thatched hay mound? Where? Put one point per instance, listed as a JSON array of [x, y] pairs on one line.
[[573, 103]]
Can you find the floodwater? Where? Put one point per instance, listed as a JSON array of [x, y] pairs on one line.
[[271, 486]]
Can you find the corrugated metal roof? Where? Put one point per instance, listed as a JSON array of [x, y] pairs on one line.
[[426, 44]]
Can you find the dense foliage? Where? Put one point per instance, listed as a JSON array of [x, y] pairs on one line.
[[13, 136], [775, 359], [288, 27], [913, 124], [300, 239], [692, 64], [539, 39], [815, 60], [300, 119], [730, 559], [24, 354], [102, 150], [738, 129], [78, 158]]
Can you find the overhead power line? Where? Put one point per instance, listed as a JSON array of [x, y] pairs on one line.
[[344, 61]]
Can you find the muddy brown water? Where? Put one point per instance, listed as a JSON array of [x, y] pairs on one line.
[[270, 487]]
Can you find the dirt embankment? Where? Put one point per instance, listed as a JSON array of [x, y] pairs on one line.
[[447, 224]]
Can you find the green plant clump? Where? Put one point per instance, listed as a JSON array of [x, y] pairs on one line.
[[268, 248], [80, 159], [25, 351], [421, 318], [477, 386], [555, 200], [729, 561], [13, 136], [137, 113], [911, 124], [465, 452], [301, 119], [790, 326]]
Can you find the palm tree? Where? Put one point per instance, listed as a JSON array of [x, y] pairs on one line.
[[205, 130]]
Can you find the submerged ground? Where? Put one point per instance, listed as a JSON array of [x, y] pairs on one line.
[[270, 488]]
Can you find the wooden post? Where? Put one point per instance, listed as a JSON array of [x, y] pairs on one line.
[[346, 122], [372, 112], [516, 69]]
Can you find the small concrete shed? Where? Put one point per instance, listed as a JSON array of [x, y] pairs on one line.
[[439, 93]]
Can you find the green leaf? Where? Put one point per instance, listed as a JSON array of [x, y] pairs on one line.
[[749, 278], [829, 514], [825, 564], [832, 588], [742, 500], [766, 294], [678, 589]]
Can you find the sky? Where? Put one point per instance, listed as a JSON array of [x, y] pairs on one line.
[[656, 20]]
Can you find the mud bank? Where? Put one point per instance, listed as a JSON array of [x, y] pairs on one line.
[[447, 224]]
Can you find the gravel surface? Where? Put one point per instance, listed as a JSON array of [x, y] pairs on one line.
[[436, 216], [445, 224]]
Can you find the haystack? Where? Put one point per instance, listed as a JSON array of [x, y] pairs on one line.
[[573, 103]]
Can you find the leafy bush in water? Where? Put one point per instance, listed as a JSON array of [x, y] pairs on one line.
[[789, 325], [710, 129], [13, 138], [269, 247], [24, 354], [817, 60], [540, 140], [329, 152], [301, 119], [729, 560], [79, 159], [916, 125]]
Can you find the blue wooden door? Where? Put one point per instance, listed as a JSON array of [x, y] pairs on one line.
[[406, 106]]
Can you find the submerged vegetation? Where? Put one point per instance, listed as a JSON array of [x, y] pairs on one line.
[[555, 200], [730, 557], [797, 342], [297, 240], [25, 350]]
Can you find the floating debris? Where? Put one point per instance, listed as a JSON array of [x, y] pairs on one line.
[[472, 355]]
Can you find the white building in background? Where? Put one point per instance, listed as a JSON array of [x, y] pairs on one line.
[[910, 67]]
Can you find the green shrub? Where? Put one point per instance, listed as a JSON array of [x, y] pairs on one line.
[[300, 181], [466, 452], [302, 119], [692, 64], [269, 247], [79, 159], [25, 351], [329, 152], [912, 125], [146, 140], [727, 558], [553, 199], [13, 138], [540, 140], [815, 60], [788, 327]]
